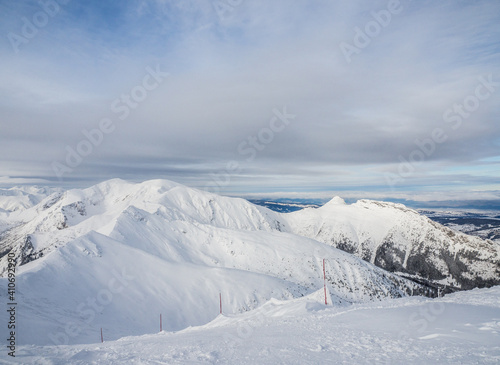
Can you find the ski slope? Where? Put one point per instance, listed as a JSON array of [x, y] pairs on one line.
[[461, 328]]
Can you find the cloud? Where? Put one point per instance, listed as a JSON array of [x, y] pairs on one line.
[[9, 181], [228, 74]]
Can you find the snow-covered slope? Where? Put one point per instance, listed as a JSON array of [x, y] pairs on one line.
[[16, 200], [64, 216], [400, 240], [461, 328], [23, 197], [116, 255]]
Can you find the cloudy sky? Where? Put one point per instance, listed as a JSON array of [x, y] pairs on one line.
[[362, 98]]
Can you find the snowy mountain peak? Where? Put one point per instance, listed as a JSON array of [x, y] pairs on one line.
[[337, 200], [375, 204], [20, 198], [401, 240]]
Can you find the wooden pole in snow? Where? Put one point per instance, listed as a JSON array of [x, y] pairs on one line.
[[161, 328], [102, 339], [220, 303], [324, 281]]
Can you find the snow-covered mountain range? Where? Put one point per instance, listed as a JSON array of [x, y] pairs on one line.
[[401, 240], [118, 254], [20, 198]]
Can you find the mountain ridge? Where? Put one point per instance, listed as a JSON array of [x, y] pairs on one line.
[[399, 239], [182, 247], [388, 235]]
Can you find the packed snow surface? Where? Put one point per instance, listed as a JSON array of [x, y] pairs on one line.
[[461, 328]]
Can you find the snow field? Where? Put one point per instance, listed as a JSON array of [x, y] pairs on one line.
[[455, 329]]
